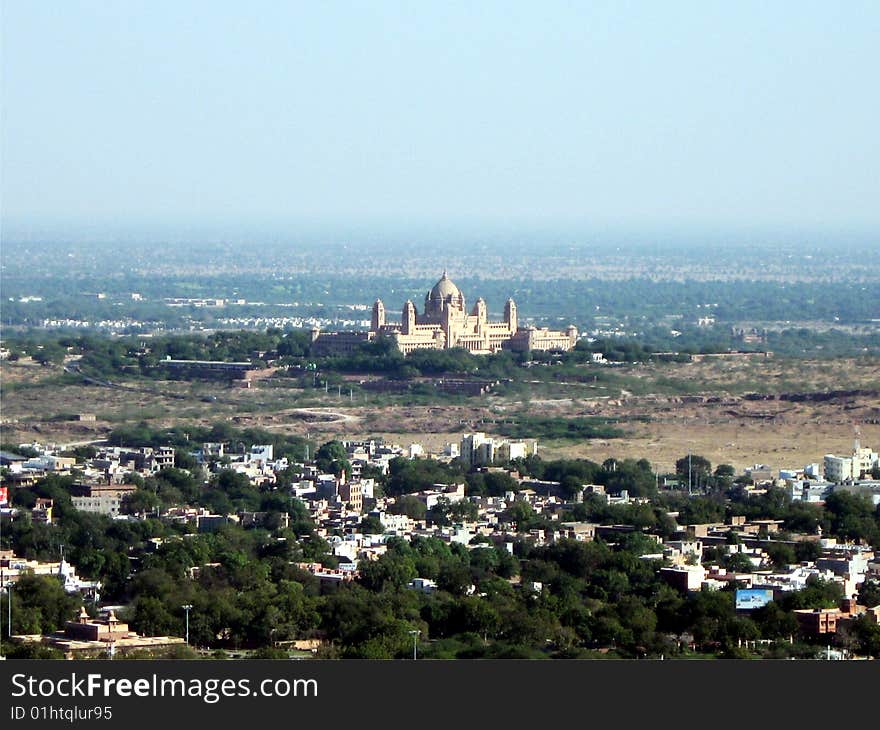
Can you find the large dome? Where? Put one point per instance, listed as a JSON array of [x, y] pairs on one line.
[[444, 288]]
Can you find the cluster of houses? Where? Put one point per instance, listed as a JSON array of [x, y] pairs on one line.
[[813, 483], [112, 465], [13, 567], [340, 503], [104, 480], [846, 564]]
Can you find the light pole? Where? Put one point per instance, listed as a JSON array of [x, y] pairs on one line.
[[9, 609], [186, 607], [2, 586], [415, 634], [689, 473]]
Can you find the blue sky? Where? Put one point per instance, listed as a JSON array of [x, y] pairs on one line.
[[625, 114]]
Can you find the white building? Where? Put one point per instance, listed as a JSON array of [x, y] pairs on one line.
[[864, 460], [477, 449], [838, 468], [393, 523], [102, 504], [452, 450], [807, 490], [425, 585], [261, 455], [854, 466]]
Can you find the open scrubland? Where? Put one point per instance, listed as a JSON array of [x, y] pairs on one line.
[[781, 412]]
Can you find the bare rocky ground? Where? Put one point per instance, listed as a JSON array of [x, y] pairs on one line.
[[824, 406]]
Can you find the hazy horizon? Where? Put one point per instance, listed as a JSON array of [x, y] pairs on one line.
[[454, 232], [605, 121]]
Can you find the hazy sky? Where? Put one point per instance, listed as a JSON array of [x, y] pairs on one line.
[[632, 114]]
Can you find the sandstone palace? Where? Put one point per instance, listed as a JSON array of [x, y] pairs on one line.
[[445, 323]]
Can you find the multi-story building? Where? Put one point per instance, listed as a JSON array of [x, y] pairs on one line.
[[838, 468], [352, 495], [477, 449], [864, 460], [105, 500], [854, 466]]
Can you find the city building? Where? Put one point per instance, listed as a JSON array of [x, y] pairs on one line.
[[477, 449], [105, 500], [838, 468], [856, 465], [352, 495], [817, 621], [684, 577], [578, 531]]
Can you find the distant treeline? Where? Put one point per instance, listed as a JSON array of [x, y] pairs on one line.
[[190, 436], [523, 427], [586, 303], [108, 357]]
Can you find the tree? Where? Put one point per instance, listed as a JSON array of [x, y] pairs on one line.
[[40, 605], [32, 650], [332, 458], [237, 488], [152, 618], [463, 511], [371, 525], [477, 615], [636, 477], [499, 483], [447, 513], [391, 571], [270, 652], [522, 515], [773, 622], [50, 354], [184, 460], [694, 467], [571, 486], [139, 501], [640, 620], [867, 636], [869, 593], [412, 507], [700, 510], [780, 554], [454, 577], [852, 517], [739, 563], [414, 475], [818, 593]]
